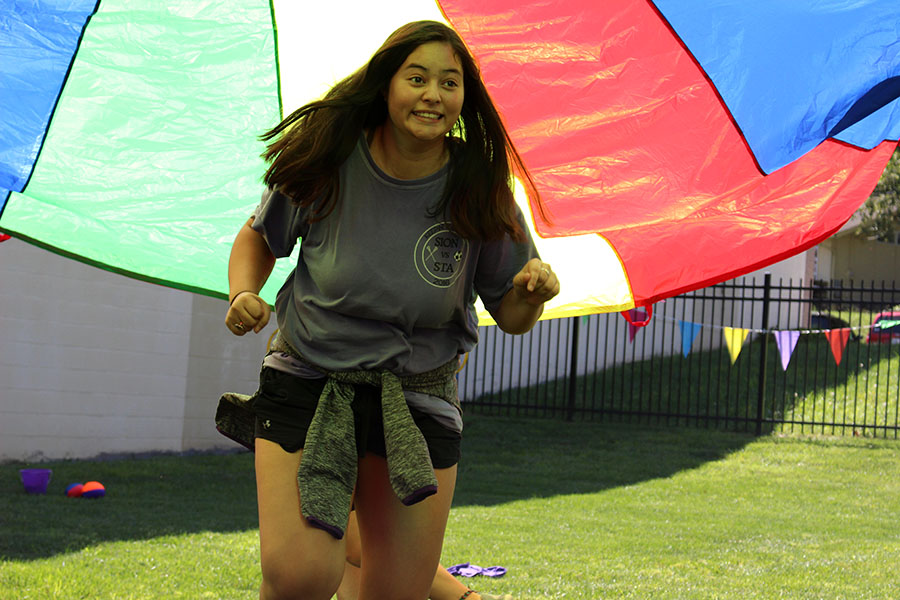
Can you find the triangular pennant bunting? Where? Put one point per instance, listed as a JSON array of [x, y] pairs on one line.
[[786, 341], [689, 331], [637, 315], [837, 339], [734, 339]]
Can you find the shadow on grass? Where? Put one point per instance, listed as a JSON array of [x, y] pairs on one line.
[[507, 459], [146, 497], [504, 459]]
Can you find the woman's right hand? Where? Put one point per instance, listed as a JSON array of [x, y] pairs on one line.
[[248, 312]]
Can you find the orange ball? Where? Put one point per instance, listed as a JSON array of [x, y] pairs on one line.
[[93, 489]]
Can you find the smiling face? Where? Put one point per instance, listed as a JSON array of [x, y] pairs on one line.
[[425, 95]]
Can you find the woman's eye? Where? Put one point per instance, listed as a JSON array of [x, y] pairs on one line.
[[451, 83], [416, 79]]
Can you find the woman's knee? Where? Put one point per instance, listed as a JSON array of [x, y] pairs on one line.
[[310, 578]]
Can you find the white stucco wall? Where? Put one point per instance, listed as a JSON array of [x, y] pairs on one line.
[[93, 362]]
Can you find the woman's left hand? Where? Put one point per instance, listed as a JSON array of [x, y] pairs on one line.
[[536, 282]]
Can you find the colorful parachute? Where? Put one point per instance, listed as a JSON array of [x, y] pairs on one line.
[[675, 145]]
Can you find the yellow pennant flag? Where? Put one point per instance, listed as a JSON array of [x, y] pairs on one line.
[[734, 338]]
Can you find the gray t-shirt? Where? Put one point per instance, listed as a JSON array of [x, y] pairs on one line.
[[379, 284]]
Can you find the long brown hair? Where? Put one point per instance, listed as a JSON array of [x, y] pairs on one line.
[[308, 147]]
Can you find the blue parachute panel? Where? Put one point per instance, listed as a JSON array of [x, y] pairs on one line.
[[38, 41], [795, 73]]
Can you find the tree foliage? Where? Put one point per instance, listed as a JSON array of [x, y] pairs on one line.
[[880, 213]]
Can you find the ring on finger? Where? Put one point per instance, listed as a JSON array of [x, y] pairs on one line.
[[545, 270], [239, 325]]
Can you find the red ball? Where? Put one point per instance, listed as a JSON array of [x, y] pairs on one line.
[[73, 490], [93, 489]]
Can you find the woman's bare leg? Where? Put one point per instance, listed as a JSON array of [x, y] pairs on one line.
[[297, 559], [401, 545], [444, 587]]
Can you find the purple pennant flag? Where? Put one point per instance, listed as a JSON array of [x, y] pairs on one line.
[[787, 341]]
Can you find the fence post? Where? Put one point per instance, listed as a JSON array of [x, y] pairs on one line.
[[573, 369], [763, 360]]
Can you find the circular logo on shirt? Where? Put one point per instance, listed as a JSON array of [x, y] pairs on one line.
[[440, 254]]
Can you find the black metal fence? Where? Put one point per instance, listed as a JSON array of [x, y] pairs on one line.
[[745, 355]]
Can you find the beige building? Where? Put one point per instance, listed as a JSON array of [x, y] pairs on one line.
[[847, 256]]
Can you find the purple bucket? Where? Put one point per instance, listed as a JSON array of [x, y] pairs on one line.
[[35, 480]]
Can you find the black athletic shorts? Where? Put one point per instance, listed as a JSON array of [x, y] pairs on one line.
[[285, 405]]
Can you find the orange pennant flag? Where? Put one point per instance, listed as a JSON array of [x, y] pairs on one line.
[[837, 339]]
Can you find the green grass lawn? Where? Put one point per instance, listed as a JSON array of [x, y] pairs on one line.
[[573, 510]]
